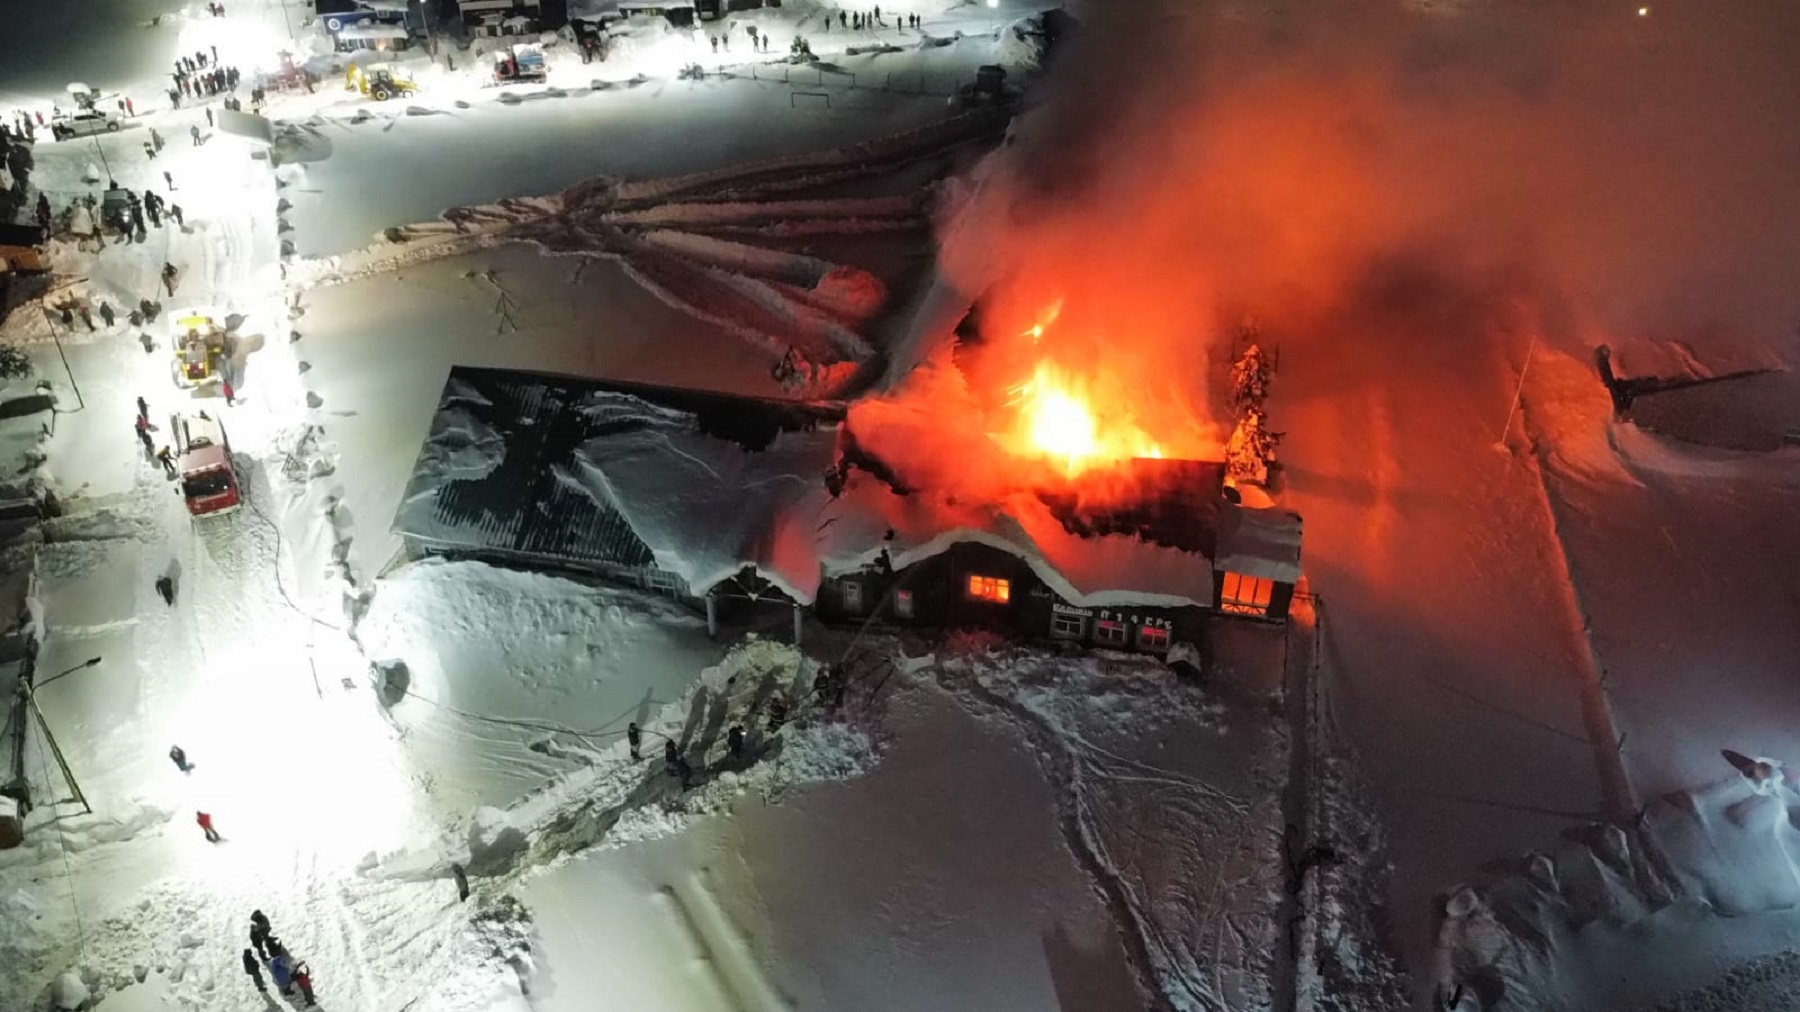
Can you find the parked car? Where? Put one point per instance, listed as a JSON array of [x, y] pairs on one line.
[[85, 123]]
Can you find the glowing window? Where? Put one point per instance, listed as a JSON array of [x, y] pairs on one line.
[[851, 594], [989, 588], [1245, 595], [903, 603], [1153, 638], [1109, 632]]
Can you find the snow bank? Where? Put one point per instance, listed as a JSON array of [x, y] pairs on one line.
[[615, 800], [1619, 916]]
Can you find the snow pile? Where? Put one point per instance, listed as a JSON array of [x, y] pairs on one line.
[[1620, 916], [615, 800], [69, 992]]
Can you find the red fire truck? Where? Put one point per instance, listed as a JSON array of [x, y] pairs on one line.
[[209, 481]]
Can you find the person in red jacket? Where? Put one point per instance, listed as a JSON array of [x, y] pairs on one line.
[[206, 826], [303, 981]]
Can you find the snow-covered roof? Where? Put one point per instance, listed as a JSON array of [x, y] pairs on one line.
[[367, 32], [706, 486], [505, 467], [1263, 543]]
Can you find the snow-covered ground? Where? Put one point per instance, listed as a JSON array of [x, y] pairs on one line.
[[980, 826]]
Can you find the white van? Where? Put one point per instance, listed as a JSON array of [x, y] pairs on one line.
[[85, 123]]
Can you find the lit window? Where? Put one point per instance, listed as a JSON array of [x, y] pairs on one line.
[[988, 588], [1067, 627], [1245, 595], [903, 603], [851, 595], [1152, 637], [1109, 632]]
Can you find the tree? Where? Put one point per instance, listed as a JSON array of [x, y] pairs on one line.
[[1250, 378], [1251, 450], [13, 363]]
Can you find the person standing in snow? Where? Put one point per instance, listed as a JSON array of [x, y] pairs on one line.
[[282, 970], [87, 320], [230, 395], [715, 43], [143, 433], [165, 588], [167, 460], [303, 980], [685, 771], [670, 755], [170, 182], [179, 758], [168, 278], [259, 933], [254, 970], [206, 826], [462, 882], [843, 20], [636, 737], [175, 212], [106, 317], [734, 740], [778, 714]]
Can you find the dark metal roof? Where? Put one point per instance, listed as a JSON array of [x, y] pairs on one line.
[[525, 506], [1173, 503]]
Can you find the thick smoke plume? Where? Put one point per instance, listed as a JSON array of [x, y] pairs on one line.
[[1188, 163]]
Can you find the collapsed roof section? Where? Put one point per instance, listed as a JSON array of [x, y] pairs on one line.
[[704, 486]]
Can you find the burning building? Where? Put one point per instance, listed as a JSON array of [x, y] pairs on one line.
[[871, 511]]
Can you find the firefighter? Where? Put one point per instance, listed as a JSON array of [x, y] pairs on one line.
[[636, 737], [106, 317], [167, 460], [168, 278], [734, 740]]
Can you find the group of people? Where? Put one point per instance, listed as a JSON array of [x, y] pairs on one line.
[[201, 76], [265, 948], [858, 22], [22, 127]]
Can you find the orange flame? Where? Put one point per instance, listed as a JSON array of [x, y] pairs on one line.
[[1057, 420]]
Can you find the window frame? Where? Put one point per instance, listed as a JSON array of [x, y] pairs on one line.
[[850, 596], [1064, 626], [903, 603], [1234, 601], [988, 589], [1105, 626], [1148, 632]]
